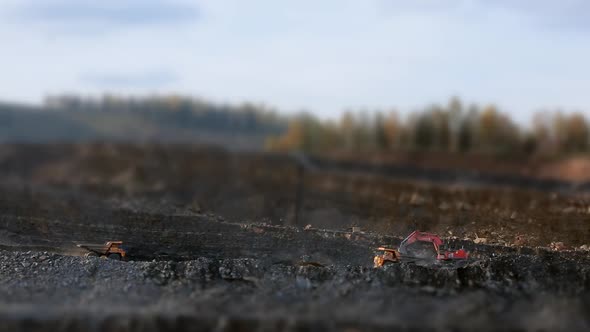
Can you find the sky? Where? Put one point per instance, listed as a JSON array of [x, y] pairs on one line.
[[321, 56]]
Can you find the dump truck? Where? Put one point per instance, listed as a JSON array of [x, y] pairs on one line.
[[110, 249], [418, 246], [389, 255]]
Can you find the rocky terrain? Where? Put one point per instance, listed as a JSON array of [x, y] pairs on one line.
[[509, 291], [214, 244]]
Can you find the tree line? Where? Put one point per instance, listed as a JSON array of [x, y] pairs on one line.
[[454, 127], [184, 113]]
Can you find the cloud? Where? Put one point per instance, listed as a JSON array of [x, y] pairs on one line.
[[154, 78], [566, 14], [109, 12], [419, 6], [546, 14]]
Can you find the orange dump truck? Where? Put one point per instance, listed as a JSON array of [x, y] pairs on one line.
[[110, 249]]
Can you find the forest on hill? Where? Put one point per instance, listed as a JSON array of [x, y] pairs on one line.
[[70, 118], [454, 127]]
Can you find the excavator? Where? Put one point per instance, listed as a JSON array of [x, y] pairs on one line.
[[418, 246]]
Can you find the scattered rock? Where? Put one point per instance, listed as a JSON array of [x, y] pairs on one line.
[[557, 246], [237, 269], [417, 199], [520, 240], [161, 273], [258, 230], [569, 209], [195, 207], [480, 240], [463, 206], [444, 206]]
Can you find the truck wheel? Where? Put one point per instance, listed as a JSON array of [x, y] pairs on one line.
[[114, 256], [91, 254]]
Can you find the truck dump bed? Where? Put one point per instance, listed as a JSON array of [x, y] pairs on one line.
[[100, 248]]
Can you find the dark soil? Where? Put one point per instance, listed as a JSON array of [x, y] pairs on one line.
[[213, 245]]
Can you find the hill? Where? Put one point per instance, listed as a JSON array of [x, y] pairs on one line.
[[150, 119]]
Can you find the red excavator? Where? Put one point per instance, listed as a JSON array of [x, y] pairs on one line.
[[418, 246]]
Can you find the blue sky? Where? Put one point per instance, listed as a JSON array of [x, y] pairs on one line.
[[324, 56]]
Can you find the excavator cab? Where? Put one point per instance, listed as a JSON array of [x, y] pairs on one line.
[[421, 245]]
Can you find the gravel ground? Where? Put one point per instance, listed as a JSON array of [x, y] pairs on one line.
[[213, 246], [506, 292]]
